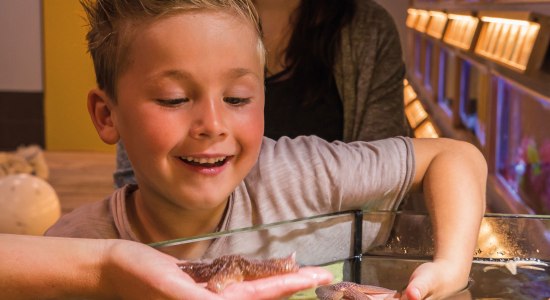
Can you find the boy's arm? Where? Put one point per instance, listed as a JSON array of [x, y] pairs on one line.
[[453, 177], [35, 267], [58, 268]]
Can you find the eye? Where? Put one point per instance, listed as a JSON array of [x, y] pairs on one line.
[[236, 101], [172, 102]]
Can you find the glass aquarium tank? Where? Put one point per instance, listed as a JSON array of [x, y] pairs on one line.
[[473, 99], [383, 248], [446, 91], [523, 145]]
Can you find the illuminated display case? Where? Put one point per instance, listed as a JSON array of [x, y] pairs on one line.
[[491, 88], [447, 96], [508, 38], [417, 21], [461, 31], [434, 33], [465, 99], [523, 139], [416, 114], [473, 99]]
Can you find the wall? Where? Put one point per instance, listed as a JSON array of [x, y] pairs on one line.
[[398, 10], [21, 89], [68, 78]]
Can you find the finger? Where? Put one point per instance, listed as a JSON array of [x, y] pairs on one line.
[[418, 287], [411, 293], [280, 286], [321, 275]]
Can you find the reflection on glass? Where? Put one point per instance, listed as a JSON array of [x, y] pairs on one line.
[[312, 239], [513, 240], [523, 139]]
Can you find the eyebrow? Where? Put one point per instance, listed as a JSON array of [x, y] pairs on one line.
[[240, 72], [184, 75]]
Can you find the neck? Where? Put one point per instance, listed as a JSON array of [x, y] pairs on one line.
[[163, 220], [277, 28]]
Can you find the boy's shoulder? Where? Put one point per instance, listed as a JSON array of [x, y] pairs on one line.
[[93, 220]]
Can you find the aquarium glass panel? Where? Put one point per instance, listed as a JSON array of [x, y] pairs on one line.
[[523, 139], [315, 240]]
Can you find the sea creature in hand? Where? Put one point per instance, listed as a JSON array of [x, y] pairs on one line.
[[228, 269], [353, 291]]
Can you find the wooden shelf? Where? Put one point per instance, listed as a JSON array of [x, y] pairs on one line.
[[80, 177]]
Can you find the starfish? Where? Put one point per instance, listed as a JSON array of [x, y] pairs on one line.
[[513, 264], [353, 291], [227, 269]]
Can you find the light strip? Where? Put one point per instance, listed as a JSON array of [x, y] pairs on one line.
[[461, 17], [434, 13], [505, 21]]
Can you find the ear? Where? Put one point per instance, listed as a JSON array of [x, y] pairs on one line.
[[100, 108]]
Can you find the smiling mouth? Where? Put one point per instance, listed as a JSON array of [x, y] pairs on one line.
[[205, 162]]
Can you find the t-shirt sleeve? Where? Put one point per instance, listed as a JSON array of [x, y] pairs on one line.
[[384, 174], [88, 221], [308, 175]]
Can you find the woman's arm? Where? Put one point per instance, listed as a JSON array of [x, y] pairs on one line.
[[34, 267], [453, 177]]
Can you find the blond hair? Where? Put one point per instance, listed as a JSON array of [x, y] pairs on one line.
[[111, 23]]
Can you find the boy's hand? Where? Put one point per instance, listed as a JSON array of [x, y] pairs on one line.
[[136, 271], [437, 280], [278, 287]]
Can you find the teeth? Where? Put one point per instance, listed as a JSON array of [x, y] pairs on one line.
[[211, 160]]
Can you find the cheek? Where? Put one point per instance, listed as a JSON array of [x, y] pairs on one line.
[[148, 128], [251, 134], [253, 124]]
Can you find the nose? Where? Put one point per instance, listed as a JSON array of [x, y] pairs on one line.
[[208, 119]]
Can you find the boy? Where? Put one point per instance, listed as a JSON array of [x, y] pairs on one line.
[[181, 85]]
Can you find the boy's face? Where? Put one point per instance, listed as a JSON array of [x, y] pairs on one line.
[[190, 107]]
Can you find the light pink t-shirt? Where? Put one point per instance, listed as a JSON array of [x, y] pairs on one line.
[[293, 178]]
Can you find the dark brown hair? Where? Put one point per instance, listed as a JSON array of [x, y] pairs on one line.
[[314, 44]]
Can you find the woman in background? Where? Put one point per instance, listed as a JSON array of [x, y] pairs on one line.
[[334, 69]]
